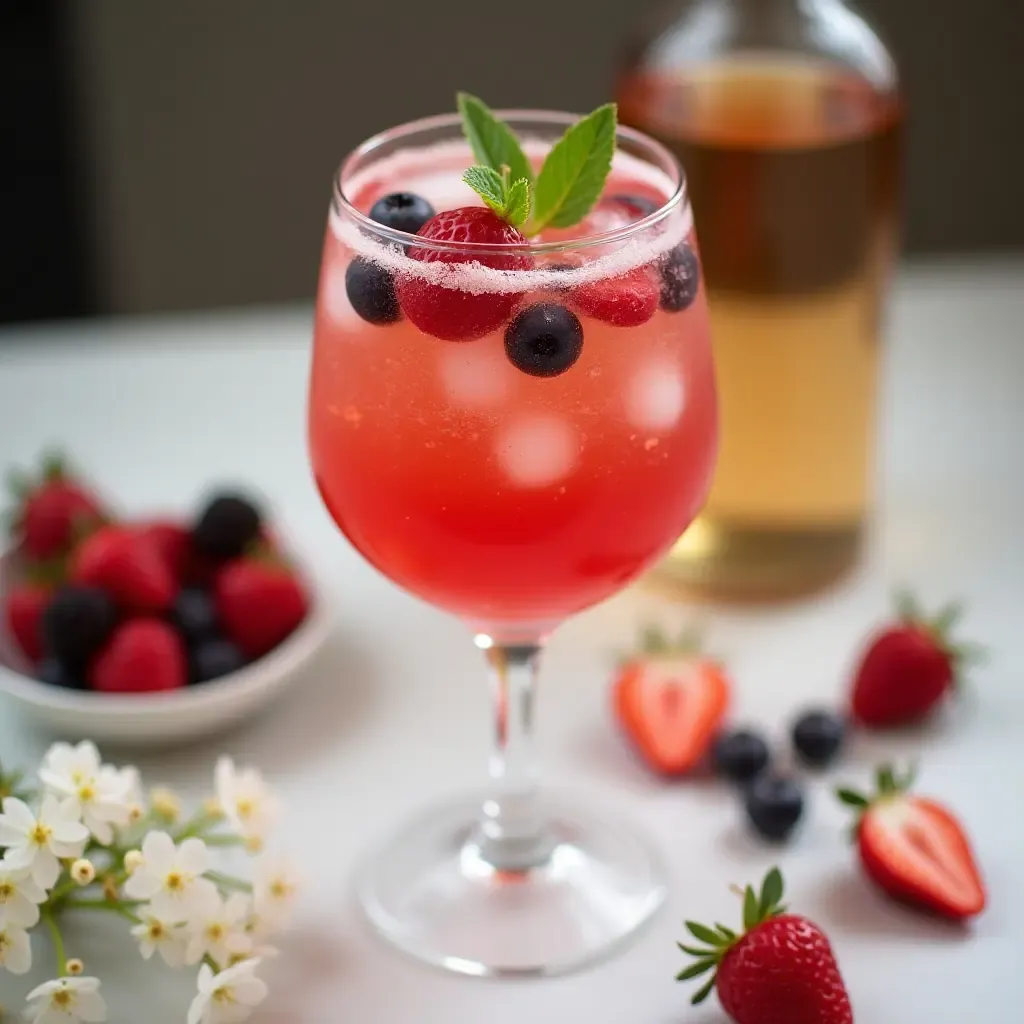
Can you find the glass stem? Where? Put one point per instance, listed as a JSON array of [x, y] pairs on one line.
[[513, 834]]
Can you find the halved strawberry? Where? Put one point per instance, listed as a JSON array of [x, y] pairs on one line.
[[670, 701], [914, 849]]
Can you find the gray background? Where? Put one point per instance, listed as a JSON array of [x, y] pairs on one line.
[[211, 129]]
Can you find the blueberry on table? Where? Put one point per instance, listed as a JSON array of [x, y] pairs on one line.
[[76, 624], [818, 737], [214, 658], [226, 527], [194, 614], [680, 279], [403, 211], [774, 806], [56, 673], [740, 756], [371, 291], [544, 340]]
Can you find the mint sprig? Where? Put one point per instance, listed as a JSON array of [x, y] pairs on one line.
[[509, 199], [569, 183]]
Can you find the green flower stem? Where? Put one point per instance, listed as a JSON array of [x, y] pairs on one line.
[[123, 908], [224, 841], [195, 826], [58, 945], [228, 881]]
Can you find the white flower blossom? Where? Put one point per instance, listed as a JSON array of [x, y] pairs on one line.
[[67, 1001], [245, 800], [274, 892], [100, 792], [19, 898], [170, 877], [229, 996], [37, 843], [219, 931], [156, 934], [15, 949]]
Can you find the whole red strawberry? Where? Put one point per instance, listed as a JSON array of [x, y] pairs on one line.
[[458, 314], [626, 301], [143, 656], [173, 542], [780, 970], [24, 604], [52, 511], [914, 849], [908, 668], [259, 603], [126, 564]]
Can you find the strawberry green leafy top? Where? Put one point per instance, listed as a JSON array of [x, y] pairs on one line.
[[568, 184]]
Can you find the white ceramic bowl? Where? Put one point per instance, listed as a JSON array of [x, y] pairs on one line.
[[166, 718]]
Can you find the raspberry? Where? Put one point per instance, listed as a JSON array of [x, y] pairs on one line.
[[626, 301], [454, 315]]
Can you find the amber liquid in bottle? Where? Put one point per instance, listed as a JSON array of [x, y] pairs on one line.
[[793, 171]]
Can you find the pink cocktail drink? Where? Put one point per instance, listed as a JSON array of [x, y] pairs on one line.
[[498, 495], [512, 415]]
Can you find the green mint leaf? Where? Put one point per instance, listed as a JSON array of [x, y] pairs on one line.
[[518, 203], [574, 173], [487, 184], [509, 200], [491, 140]]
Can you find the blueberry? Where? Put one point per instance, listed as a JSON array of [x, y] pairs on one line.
[[76, 624], [544, 340], [55, 673], [818, 737], [740, 756], [214, 658], [403, 211], [774, 805], [371, 290], [680, 279], [194, 615], [643, 206], [226, 527]]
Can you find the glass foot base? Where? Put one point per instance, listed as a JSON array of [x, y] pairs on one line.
[[432, 894]]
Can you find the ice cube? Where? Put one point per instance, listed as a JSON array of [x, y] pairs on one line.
[[655, 396], [334, 298], [476, 375], [538, 449]]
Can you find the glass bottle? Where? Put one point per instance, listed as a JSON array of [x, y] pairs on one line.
[[787, 117]]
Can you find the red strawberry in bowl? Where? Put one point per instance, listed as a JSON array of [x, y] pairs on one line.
[[53, 511], [24, 605], [909, 667], [143, 656], [454, 313], [126, 564], [779, 970], [670, 700], [914, 849], [259, 602]]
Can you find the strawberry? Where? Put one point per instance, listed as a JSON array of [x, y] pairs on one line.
[[780, 970], [449, 313], [52, 511], [143, 656], [914, 849], [24, 606], [908, 668], [259, 603], [173, 543], [670, 701], [128, 565], [626, 301]]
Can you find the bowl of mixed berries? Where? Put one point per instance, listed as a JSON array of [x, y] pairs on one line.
[[147, 629]]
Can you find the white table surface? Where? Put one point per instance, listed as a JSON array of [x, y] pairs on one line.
[[395, 714]]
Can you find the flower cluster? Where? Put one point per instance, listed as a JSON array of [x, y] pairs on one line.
[[90, 840]]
